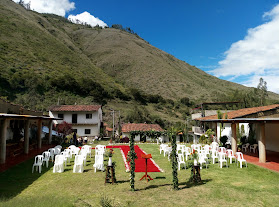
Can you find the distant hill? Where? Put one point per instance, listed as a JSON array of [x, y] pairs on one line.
[[45, 60]]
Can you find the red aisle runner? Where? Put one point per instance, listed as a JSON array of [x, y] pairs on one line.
[[140, 162]]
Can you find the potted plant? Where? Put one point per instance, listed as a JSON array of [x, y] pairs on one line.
[[110, 153]]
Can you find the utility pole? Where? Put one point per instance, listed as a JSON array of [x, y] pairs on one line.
[[113, 124]]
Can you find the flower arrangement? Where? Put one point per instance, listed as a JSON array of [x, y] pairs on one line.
[[110, 152], [195, 155]]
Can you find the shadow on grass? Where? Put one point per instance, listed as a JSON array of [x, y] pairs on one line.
[[153, 186], [160, 177], [19, 177], [122, 181], [189, 184]]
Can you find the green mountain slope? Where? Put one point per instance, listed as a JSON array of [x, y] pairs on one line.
[[45, 59]]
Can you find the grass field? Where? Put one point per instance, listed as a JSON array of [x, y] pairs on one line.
[[252, 186]]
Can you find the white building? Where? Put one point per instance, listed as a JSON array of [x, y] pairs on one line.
[[85, 119]]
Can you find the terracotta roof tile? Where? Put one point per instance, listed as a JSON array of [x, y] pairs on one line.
[[140, 127], [75, 108], [241, 113]]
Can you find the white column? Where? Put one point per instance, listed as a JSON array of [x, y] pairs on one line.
[[261, 143], [26, 136], [3, 137], [234, 138]]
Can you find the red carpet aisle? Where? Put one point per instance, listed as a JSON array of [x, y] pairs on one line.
[[140, 162]]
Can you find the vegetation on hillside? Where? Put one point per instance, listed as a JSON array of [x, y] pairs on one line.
[[45, 59]]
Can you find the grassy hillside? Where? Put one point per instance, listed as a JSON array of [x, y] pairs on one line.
[[45, 59]]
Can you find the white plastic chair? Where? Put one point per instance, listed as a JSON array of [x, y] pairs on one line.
[[100, 148], [75, 150], [214, 156], [58, 146], [162, 147], [202, 160], [179, 147], [159, 140], [253, 147], [167, 151], [187, 152], [78, 166], [65, 157], [52, 151], [180, 160], [240, 159], [58, 164], [99, 162], [38, 163], [57, 150], [87, 148], [245, 147], [83, 153], [222, 150], [230, 155], [222, 159], [215, 146], [46, 156]]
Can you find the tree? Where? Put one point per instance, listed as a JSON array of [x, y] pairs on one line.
[[64, 128], [262, 91]]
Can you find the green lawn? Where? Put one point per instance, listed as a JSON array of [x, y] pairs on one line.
[[252, 186]]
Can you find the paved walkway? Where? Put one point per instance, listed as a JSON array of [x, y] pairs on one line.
[[272, 160], [12, 161]]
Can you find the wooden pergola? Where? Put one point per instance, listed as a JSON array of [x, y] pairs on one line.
[[260, 125], [4, 121]]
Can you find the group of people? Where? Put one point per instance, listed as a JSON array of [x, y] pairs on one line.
[[78, 141]]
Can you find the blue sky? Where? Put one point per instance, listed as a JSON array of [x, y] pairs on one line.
[[234, 40]]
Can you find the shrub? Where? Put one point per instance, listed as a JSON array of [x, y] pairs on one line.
[[124, 140], [224, 140], [243, 139]]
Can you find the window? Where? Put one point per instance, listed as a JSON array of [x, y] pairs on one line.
[[61, 116], [87, 131], [74, 118], [88, 116], [74, 130]]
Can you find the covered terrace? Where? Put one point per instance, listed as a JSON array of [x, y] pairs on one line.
[[5, 121], [267, 131]]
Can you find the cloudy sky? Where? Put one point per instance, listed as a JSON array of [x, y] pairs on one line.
[[233, 40]]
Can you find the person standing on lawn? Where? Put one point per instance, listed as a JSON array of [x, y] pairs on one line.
[[75, 138]]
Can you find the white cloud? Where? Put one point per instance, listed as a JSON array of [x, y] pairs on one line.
[[59, 7], [256, 55], [86, 17], [272, 82]]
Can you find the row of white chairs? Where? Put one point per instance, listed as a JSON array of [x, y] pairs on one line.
[[45, 157], [205, 153], [252, 147], [99, 157]]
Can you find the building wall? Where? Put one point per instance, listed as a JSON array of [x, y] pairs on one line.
[[208, 113], [82, 122], [81, 117], [272, 137], [81, 130], [227, 131]]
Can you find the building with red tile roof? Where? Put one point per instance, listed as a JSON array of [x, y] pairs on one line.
[[140, 127], [267, 114], [127, 128], [85, 119], [75, 108], [254, 112]]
